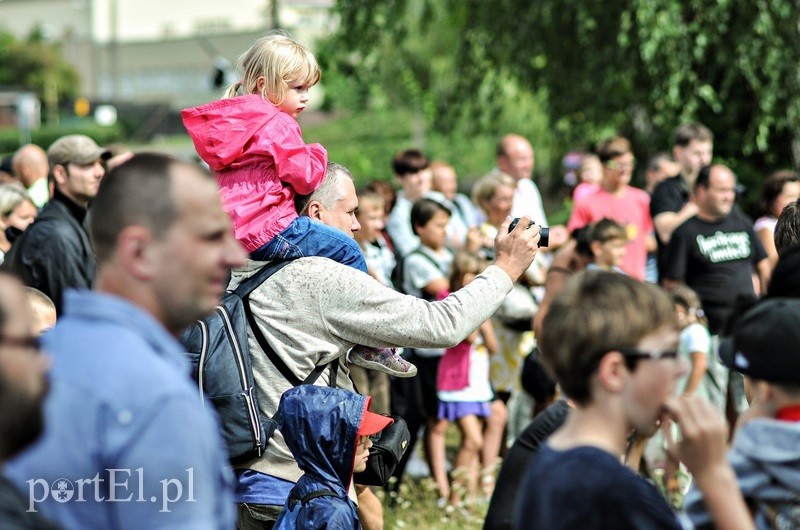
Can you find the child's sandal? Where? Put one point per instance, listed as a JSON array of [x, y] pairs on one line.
[[488, 481]]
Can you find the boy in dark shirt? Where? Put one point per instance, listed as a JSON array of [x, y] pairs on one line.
[[611, 343]]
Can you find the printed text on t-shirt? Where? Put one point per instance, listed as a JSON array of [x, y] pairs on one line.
[[722, 246]]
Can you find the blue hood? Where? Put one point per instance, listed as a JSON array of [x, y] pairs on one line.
[[765, 457], [319, 425]]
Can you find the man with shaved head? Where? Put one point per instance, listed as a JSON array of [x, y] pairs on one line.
[[125, 424], [515, 157], [31, 167]]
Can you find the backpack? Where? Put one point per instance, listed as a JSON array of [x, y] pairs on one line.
[[398, 271], [220, 357]]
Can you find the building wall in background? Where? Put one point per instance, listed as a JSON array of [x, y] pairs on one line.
[[156, 50]]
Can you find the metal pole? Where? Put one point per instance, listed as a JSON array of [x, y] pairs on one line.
[[113, 49], [274, 8]]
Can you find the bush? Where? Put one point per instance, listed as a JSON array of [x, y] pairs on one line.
[[44, 136], [365, 143]]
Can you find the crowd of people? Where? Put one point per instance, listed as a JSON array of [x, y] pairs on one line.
[[590, 360]]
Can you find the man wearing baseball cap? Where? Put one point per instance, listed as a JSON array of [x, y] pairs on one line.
[[765, 455], [54, 253], [328, 431]]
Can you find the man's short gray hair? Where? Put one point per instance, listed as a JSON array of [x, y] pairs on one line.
[[330, 191]]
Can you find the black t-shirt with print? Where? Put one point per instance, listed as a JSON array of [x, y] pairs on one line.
[[717, 260]]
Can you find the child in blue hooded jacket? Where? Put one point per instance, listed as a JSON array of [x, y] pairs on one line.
[[328, 431]]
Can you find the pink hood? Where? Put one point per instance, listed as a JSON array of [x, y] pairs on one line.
[[260, 160]]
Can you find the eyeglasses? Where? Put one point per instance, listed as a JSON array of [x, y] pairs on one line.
[[614, 165], [636, 353], [632, 354], [32, 343]]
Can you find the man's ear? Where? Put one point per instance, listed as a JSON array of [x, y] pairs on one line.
[[699, 193], [135, 252], [612, 373], [60, 175], [764, 392], [314, 209], [596, 247], [676, 152]]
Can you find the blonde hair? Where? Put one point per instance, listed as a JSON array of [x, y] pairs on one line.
[[465, 262], [279, 60], [11, 196], [483, 191], [371, 198]]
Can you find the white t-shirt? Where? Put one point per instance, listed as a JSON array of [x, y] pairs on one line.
[[399, 227], [418, 271], [695, 337], [528, 201], [380, 259]]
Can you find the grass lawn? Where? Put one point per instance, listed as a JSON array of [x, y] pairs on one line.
[[415, 507]]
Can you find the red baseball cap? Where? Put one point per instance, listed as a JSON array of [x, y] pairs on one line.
[[372, 423]]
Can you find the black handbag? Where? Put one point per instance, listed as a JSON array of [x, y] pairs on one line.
[[388, 447]]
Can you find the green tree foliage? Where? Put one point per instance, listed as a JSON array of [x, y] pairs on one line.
[[640, 67], [404, 55], [36, 65]]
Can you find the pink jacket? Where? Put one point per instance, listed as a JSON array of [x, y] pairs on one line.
[[260, 160]]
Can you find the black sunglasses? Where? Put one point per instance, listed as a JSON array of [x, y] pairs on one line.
[[632, 355], [636, 353]]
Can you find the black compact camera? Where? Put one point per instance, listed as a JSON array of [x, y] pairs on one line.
[[544, 232]]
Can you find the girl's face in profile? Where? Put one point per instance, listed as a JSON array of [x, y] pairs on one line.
[[684, 317], [296, 98], [22, 216], [362, 454]]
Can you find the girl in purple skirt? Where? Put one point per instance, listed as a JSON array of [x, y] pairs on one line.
[[464, 391]]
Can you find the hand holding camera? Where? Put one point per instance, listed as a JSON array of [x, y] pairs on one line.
[[515, 250], [544, 232]]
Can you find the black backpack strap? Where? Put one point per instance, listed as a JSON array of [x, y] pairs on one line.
[[418, 251], [248, 286], [293, 499], [266, 348], [243, 291], [319, 493], [314, 375]]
